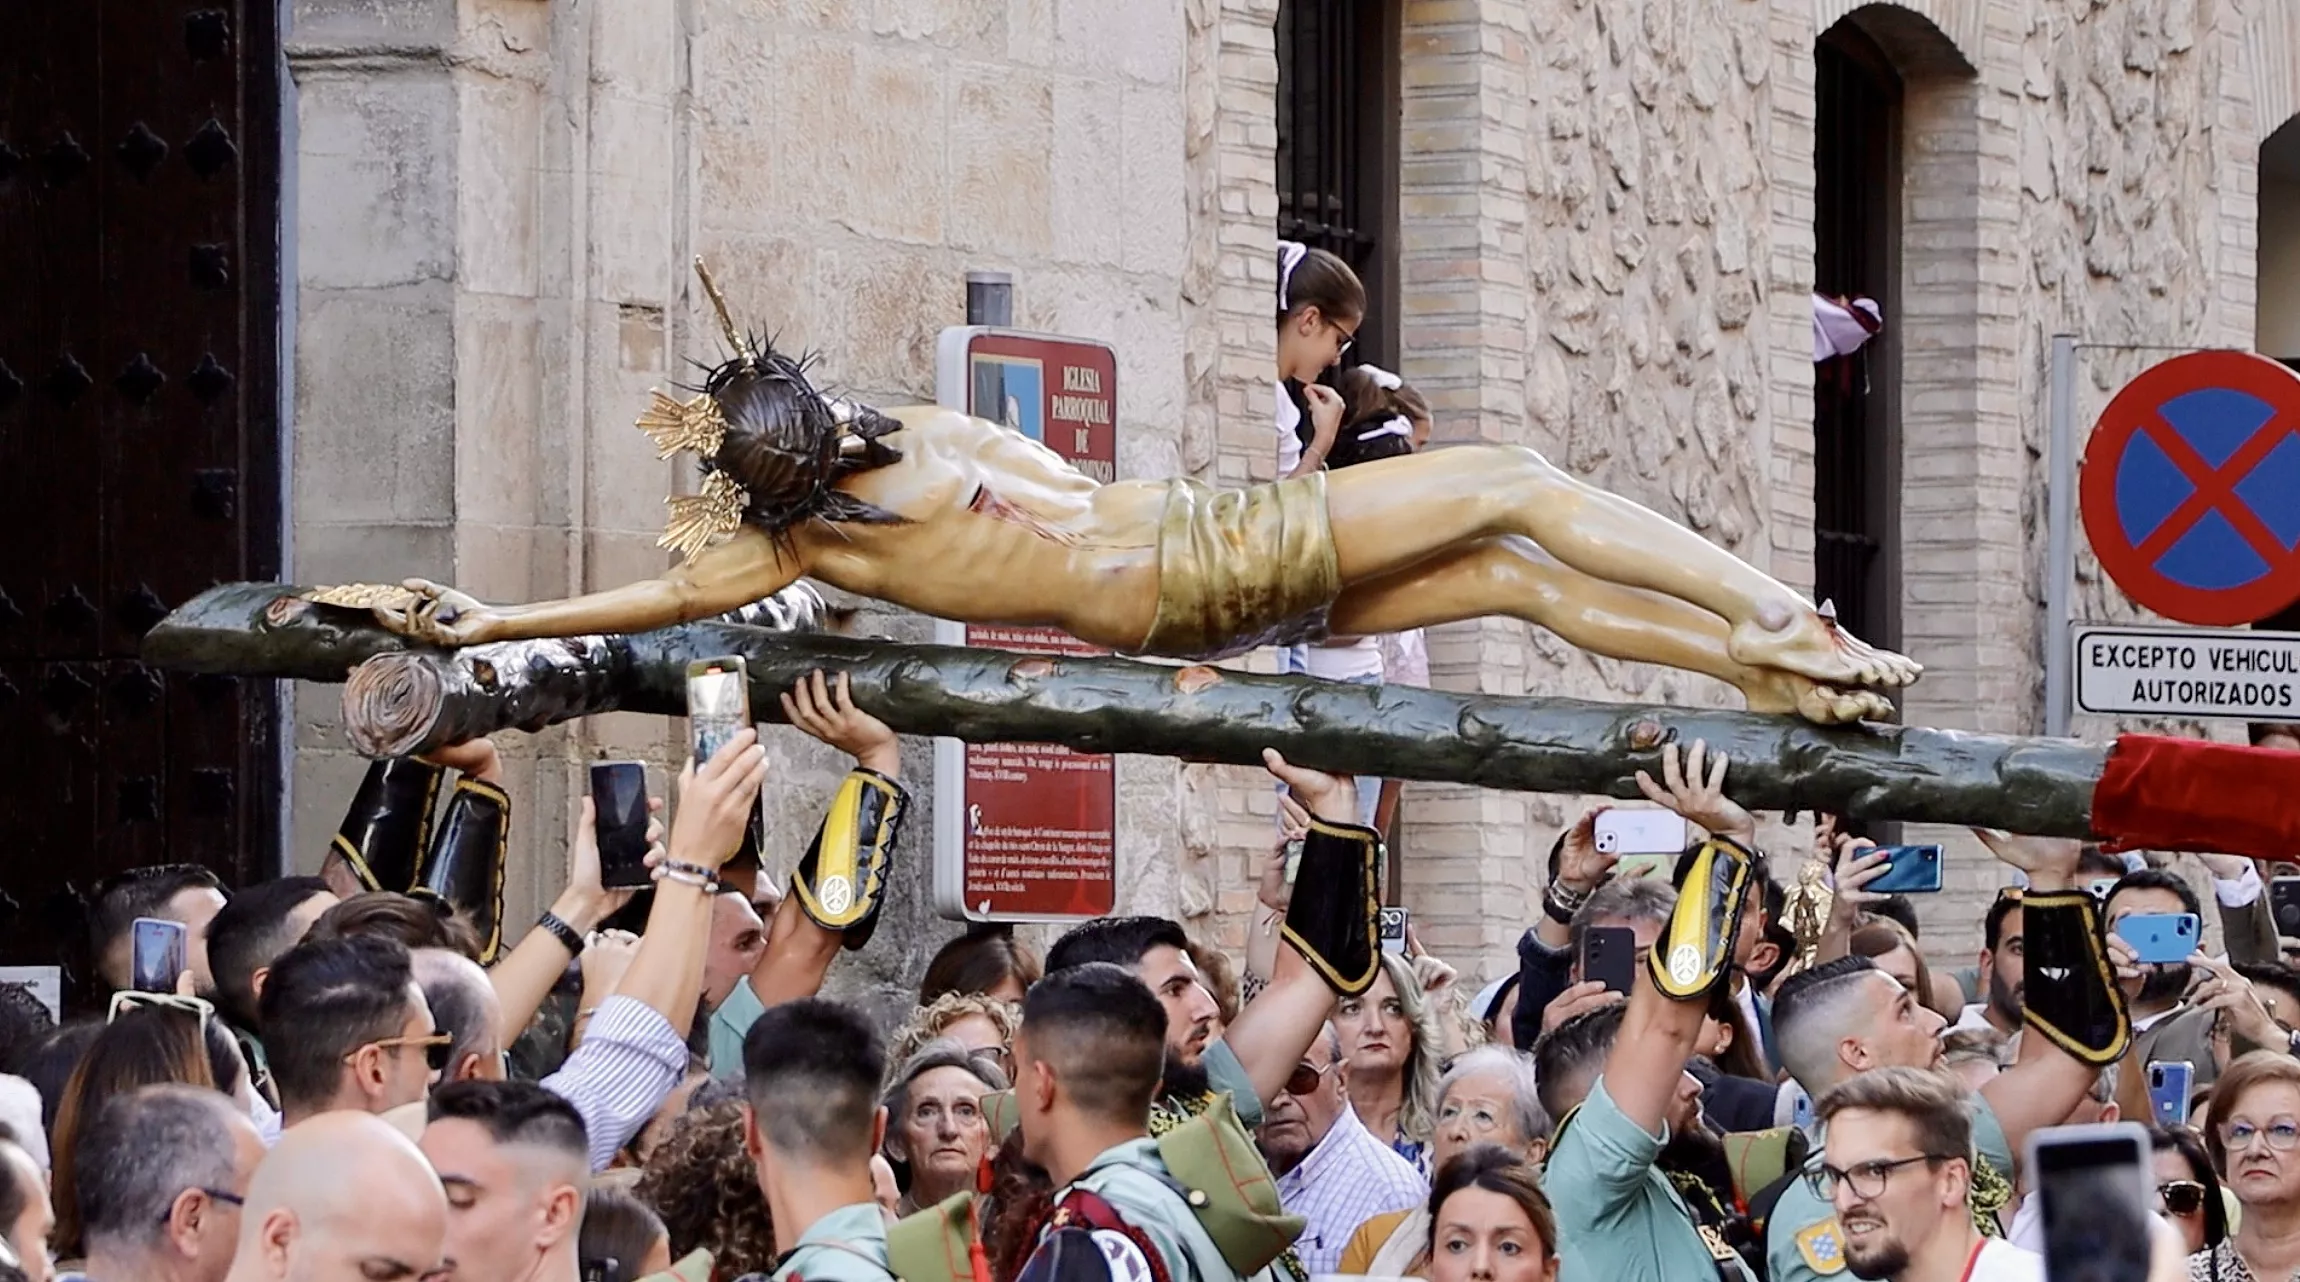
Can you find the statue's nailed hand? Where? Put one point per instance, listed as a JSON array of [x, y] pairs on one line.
[[439, 615]]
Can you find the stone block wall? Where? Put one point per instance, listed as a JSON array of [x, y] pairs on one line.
[[1605, 252]]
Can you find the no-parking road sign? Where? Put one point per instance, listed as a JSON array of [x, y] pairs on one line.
[[2191, 488]]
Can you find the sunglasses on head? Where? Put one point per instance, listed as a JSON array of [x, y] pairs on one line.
[[2181, 1197], [128, 999]]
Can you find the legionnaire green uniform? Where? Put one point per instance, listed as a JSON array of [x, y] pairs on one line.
[[1602, 1176], [847, 1245], [2069, 997]]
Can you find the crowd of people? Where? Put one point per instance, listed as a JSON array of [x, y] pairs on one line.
[[363, 1075]]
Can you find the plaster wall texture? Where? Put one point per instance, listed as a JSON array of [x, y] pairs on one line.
[[1605, 249]]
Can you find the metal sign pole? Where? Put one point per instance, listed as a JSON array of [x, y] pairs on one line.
[[2060, 533]]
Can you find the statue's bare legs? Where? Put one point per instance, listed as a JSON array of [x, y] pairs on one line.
[[1509, 576], [1386, 519]]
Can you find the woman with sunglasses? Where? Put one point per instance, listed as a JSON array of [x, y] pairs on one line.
[[2253, 1133], [151, 1039], [2187, 1191]]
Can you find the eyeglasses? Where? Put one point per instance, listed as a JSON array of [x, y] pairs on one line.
[[1866, 1179], [128, 999], [2181, 1197], [214, 1195], [436, 1047], [1305, 1077], [2281, 1134]]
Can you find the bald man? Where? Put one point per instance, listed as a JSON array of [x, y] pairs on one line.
[[305, 1222]]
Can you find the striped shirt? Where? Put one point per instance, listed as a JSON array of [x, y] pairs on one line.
[[629, 1061], [1349, 1177]]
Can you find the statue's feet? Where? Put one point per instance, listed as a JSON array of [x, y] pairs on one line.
[[1786, 693], [1806, 642]]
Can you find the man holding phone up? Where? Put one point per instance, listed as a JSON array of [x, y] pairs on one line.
[[809, 928], [1845, 1017]]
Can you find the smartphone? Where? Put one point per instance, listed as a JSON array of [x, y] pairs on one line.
[[2101, 886], [718, 703], [1392, 924], [2284, 903], [2098, 1199], [2169, 1085], [1640, 832], [1609, 956], [2161, 938], [619, 819], [1915, 870], [1801, 1109], [1293, 859], [158, 954]]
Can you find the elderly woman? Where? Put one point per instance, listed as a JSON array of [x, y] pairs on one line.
[[936, 1135], [1487, 1097], [1393, 1035], [2253, 1131]]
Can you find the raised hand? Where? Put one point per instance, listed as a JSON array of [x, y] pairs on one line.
[[591, 901], [1581, 866], [1333, 798], [1588, 995], [474, 757], [716, 801], [2050, 862], [1696, 791], [826, 710]]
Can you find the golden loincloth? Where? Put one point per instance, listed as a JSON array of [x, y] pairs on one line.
[[1242, 568]]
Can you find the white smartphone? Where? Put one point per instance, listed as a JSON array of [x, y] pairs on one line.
[[1640, 832], [2098, 1198]]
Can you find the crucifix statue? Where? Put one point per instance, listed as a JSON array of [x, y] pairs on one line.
[[965, 519]]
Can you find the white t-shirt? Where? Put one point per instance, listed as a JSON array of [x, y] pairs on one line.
[[1359, 660], [2001, 1261], [1289, 428]]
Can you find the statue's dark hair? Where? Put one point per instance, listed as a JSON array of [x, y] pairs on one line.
[[786, 446]]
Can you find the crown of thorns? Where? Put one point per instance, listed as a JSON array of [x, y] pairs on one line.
[[781, 469]]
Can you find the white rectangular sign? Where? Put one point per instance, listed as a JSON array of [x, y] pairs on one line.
[[2188, 672]]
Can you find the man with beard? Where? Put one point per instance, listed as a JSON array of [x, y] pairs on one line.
[[2001, 971], [2174, 1008], [1898, 1169], [1846, 1018], [1329, 927]]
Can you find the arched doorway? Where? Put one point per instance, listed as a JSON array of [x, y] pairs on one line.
[[2276, 322], [1856, 253]]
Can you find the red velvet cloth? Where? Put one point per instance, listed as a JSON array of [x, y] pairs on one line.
[[2159, 793]]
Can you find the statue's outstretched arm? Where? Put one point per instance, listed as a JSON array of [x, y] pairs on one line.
[[735, 573]]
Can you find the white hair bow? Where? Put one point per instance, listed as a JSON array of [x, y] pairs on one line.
[[1383, 379], [1290, 255], [1398, 426]]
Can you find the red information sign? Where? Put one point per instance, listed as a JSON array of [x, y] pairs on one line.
[[1028, 831]]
